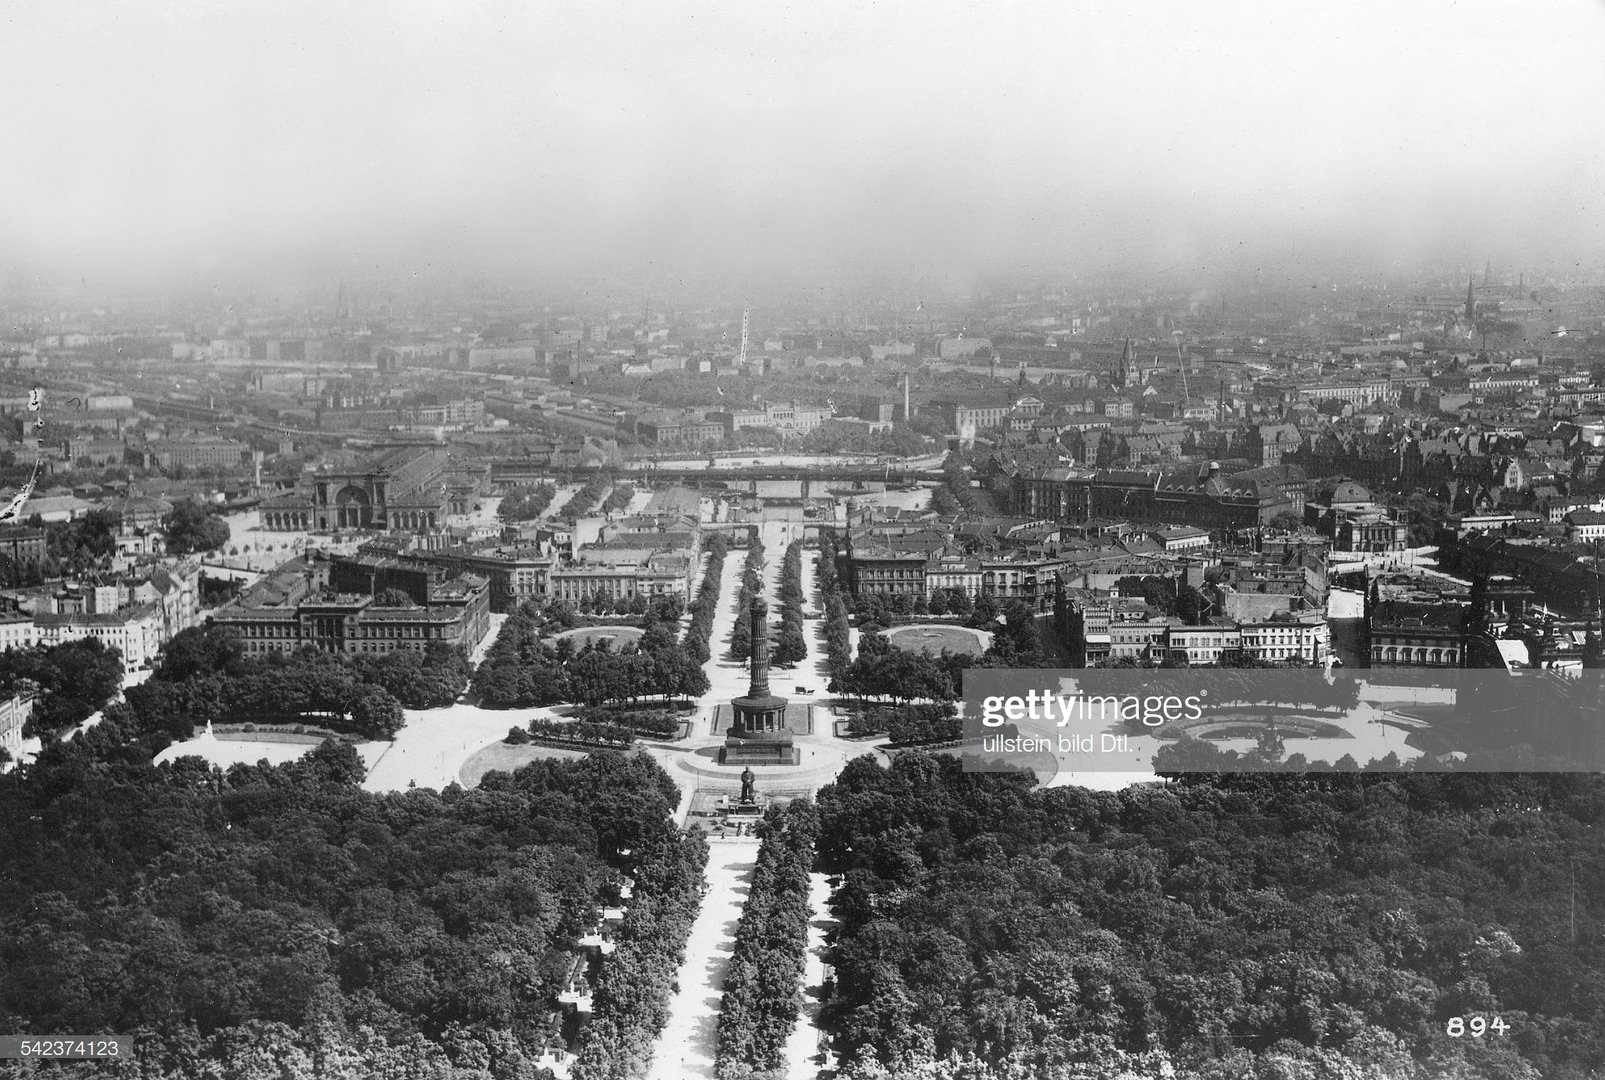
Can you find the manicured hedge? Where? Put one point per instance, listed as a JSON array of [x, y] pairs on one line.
[[662, 723], [582, 733]]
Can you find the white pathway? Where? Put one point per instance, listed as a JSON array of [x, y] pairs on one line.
[[690, 1038], [496, 621], [726, 678], [774, 562], [428, 752], [805, 1050], [565, 492], [689, 1041], [814, 619], [1345, 604]]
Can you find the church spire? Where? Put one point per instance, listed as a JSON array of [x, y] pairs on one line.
[[1122, 375]]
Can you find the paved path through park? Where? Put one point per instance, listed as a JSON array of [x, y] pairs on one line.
[[690, 1038], [805, 1049]]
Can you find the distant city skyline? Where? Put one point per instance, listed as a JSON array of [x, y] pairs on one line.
[[582, 403]]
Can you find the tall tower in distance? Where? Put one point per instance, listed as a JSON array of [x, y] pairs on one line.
[[1471, 299], [1125, 372]]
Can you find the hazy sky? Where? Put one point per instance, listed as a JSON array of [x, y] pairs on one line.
[[150, 138]]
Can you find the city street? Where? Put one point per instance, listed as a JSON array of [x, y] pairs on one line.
[[1345, 612]]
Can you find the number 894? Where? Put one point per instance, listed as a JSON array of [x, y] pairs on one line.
[[1476, 1026]]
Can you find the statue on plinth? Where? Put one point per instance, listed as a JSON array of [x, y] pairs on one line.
[[747, 784]]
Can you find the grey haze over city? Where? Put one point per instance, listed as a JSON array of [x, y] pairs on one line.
[[180, 142], [713, 540]]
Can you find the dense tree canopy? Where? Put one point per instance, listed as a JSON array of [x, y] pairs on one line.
[[1167, 595], [203, 675], [426, 680], [73, 680], [585, 500], [834, 438], [71, 547], [1249, 926], [522, 669], [632, 995], [618, 499], [191, 526], [278, 921], [526, 504], [1423, 514]]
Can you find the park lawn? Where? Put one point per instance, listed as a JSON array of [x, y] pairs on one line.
[[931, 640], [582, 636]]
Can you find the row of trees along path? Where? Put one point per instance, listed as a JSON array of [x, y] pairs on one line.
[[808, 1037], [689, 1040], [818, 658], [774, 559], [690, 1037], [726, 677]]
